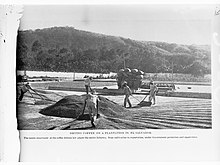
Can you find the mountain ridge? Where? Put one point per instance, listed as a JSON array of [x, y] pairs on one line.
[[68, 49]]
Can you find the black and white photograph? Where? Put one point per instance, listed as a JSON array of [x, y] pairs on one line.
[[114, 67]]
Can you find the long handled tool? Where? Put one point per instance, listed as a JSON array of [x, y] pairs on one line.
[[45, 98], [39, 95], [32, 96], [145, 103], [135, 98], [144, 98]]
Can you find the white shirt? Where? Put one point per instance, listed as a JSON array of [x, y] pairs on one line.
[[92, 100], [87, 81]]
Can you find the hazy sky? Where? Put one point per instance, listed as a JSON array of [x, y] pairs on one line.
[[184, 24]]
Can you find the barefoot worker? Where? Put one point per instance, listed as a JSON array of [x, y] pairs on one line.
[[26, 87], [127, 92], [88, 84], [91, 102], [153, 91]]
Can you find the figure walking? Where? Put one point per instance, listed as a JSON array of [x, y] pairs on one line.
[[153, 91], [26, 87], [127, 93], [88, 84], [91, 102]]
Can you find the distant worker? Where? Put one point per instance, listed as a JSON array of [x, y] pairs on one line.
[[91, 102], [88, 84], [127, 92], [26, 87], [153, 91]]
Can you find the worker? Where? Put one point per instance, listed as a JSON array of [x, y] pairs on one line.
[[127, 93], [88, 84], [26, 87], [91, 102], [153, 91]]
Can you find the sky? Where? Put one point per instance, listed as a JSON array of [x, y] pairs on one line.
[[181, 24]]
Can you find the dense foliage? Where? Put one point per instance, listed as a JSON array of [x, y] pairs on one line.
[[71, 50]]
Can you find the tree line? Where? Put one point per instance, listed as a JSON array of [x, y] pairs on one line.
[[69, 50]]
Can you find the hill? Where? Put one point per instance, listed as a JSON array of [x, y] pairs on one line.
[[69, 49]]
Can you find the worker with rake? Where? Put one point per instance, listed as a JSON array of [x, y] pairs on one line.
[[25, 88], [88, 84], [128, 93], [153, 91], [91, 102]]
